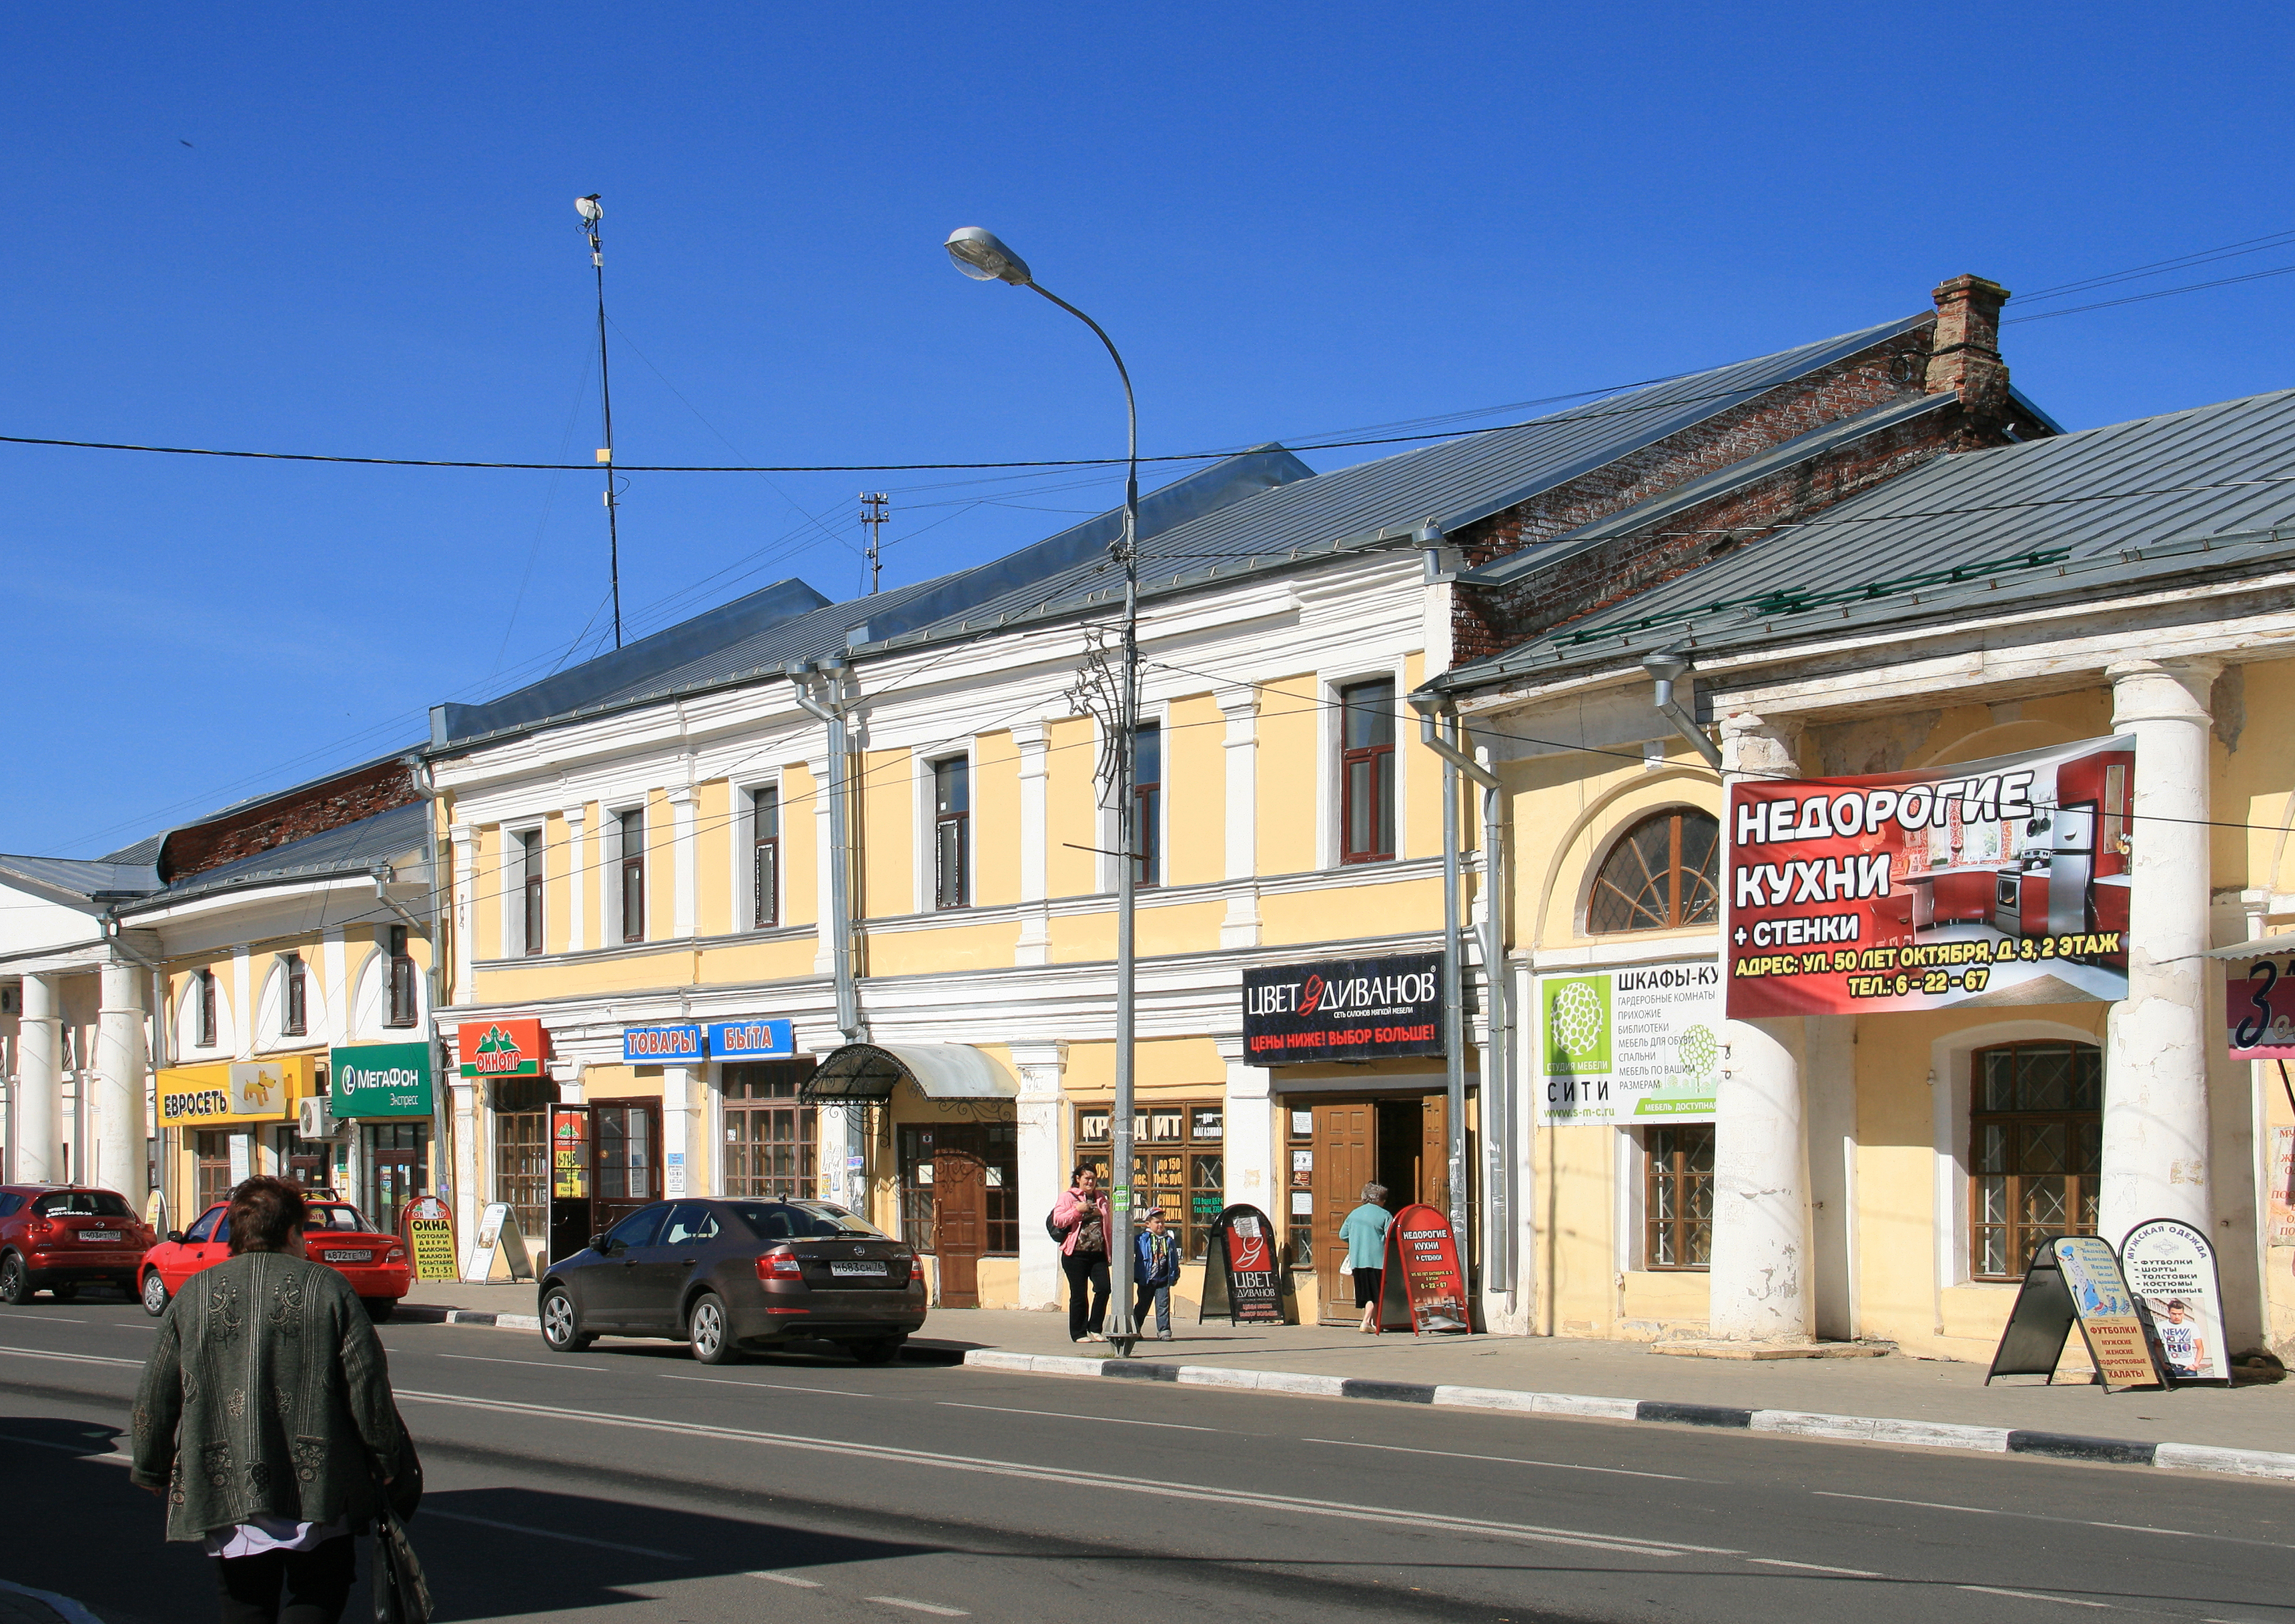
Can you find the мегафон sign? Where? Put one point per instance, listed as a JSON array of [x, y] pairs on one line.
[[1344, 1009]]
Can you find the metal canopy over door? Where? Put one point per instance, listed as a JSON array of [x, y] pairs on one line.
[[960, 1192], [1399, 1142]]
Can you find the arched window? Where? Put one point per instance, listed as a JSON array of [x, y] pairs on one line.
[[1663, 874]]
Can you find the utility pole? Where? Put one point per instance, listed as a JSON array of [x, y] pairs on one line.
[[873, 514], [591, 212]]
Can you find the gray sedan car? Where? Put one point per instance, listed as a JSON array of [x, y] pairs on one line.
[[726, 1276]]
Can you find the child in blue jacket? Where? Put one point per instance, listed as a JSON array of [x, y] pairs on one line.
[[1156, 1265]]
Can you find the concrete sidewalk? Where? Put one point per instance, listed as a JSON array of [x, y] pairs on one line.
[[2260, 1416]]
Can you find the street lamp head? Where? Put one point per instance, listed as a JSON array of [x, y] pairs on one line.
[[980, 257]]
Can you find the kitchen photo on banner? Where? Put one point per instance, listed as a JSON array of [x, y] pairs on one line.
[[1981, 885]]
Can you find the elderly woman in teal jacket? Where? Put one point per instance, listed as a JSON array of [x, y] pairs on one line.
[[1365, 1234]]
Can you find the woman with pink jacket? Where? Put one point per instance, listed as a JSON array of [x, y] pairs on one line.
[[1081, 1216]]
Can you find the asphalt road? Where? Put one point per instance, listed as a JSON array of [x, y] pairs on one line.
[[628, 1483]]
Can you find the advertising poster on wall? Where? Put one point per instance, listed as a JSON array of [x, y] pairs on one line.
[[2107, 1313], [1423, 1255], [381, 1080], [1344, 1009], [2259, 1010], [2281, 1231], [2172, 1267], [1632, 1045], [1984, 884]]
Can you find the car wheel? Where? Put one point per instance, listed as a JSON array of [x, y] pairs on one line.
[[65, 1292], [707, 1330], [562, 1328], [380, 1309], [881, 1352], [155, 1293], [15, 1284]]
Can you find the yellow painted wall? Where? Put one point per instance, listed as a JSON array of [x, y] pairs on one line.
[[995, 820], [1420, 772], [1195, 792], [953, 946], [1290, 725], [715, 860], [1343, 912], [1071, 813], [1082, 938], [800, 846], [587, 975], [557, 884], [887, 789], [661, 867], [489, 883], [787, 959], [1192, 928], [1574, 1204]]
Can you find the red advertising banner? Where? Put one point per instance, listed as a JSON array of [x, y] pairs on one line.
[[2259, 1011], [1423, 1253], [1995, 882], [512, 1047]]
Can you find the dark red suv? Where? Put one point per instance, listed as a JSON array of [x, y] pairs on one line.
[[57, 1236]]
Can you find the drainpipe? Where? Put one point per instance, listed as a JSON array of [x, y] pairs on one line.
[[423, 776], [833, 706], [1667, 669], [1444, 737]]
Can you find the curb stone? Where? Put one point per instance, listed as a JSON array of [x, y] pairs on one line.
[[1788, 1422]]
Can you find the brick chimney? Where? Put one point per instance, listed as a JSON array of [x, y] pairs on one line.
[[1965, 354]]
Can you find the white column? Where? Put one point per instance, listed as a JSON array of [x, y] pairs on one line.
[[1240, 928], [2156, 1040], [118, 1085], [334, 973], [681, 824], [1035, 943], [679, 1098], [1255, 1160], [824, 855], [577, 878], [1760, 1277], [464, 845], [468, 1198], [1043, 1176], [243, 1036], [40, 1084]]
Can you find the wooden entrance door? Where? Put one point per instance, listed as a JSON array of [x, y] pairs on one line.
[[626, 1160], [1346, 1158], [960, 1194]]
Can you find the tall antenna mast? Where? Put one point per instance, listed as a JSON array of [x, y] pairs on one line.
[[592, 213], [873, 514]]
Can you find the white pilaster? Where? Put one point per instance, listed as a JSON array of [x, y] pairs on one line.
[[1256, 1162], [38, 1152], [243, 1036], [1043, 1176], [334, 975], [680, 1093], [2157, 1039], [577, 883], [468, 1200], [1031, 739], [824, 853], [681, 824], [463, 839], [1760, 1278], [118, 1084], [1240, 927]]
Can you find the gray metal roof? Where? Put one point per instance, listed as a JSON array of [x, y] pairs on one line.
[[2073, 518], [144, 851], [72, 878], [397, 836], [1383, 502]]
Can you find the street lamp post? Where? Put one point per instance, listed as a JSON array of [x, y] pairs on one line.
[[980, 257]]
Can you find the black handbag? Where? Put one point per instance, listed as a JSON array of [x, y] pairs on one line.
[[400, 1594]]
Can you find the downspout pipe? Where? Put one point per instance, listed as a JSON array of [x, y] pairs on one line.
[[1666, 669], [832, 705], [422, 776]]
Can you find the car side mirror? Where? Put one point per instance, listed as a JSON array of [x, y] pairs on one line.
[[598, 1241], [176, 1235]]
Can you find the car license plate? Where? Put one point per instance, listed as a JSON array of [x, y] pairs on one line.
[[349, 1257], [856, 1268], [99, 1235]]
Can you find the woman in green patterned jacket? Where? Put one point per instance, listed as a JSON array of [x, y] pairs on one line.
[[266, 1418]]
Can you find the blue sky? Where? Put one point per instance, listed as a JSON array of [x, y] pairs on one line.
[[1294, 219]]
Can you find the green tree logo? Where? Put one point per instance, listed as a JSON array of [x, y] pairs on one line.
[[1699, 1051], [1577, 1026]]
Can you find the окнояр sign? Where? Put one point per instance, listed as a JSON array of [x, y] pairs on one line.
[[1344, 1009]]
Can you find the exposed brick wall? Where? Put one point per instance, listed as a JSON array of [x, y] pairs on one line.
[[1485, 622], [311, 810]]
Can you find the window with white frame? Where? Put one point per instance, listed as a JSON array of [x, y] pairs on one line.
[[529, 890], [629, 867], [294, 997], [765, 858], [1148, 803], [952, 782], [204, 1028], [1366, 786]]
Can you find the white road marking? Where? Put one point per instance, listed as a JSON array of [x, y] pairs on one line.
[[1384, 1517], [719, 1381], [902, 1600], [1510, 1460], [2036, 1516], [480, 1358], [1061, 1414], [76, 1359], [55, 1319], [551, 1533], [2034, 1596], [1816, 1567], [787, 1578]]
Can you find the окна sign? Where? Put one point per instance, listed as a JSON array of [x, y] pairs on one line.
[[235, 1091], [1993, 882], [381, 1079], [1344, 1009], [500, 1048]]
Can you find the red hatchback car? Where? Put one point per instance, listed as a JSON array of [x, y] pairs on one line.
[[58, 1237], [374, 1263]]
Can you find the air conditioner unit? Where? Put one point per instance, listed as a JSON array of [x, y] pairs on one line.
[[314, 1119]]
